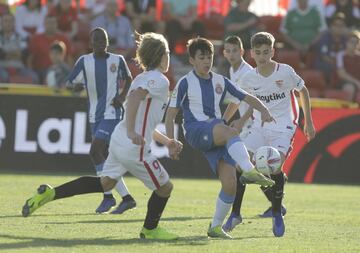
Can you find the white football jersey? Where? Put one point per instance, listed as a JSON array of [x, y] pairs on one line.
[[236, 77], [150, 113], [277, 93]]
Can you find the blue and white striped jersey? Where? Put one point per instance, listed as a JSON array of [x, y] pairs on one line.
[[102, 77], [200, 99]]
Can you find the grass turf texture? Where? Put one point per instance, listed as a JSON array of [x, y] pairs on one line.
[[321, 218]]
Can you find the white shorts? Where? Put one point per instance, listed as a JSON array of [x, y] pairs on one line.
[[149, 171], [258, 137]]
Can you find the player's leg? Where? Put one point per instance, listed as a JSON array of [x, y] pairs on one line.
[[154, 177], [82, 185], [235, 215], [127, 202], [227, 176], [98, 153], [226, 136], [282, 142]]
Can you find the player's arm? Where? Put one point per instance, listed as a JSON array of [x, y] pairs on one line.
[[76, 80], [133, 102], [173, 145], [120, 99], [239, 123], [170, 121], [230, 111], [76, 87], [309, 129], [258, 105]]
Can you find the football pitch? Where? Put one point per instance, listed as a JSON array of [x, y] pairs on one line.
[[320, 218]]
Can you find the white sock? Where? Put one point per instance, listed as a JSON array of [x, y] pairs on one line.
[[121, 188], [222, 209], [239, 153], [98, 173]]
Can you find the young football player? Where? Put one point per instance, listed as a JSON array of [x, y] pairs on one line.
[[104, 75], [274, 84], [233, 52], [129, 149], [200, 94]]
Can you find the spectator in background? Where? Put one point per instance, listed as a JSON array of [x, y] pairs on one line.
[[12, 50], [29, 18], [94, 8], [302, 27], [67, 17], [182, 21], [349, 8], [330, 43], [58, 72], [143, 15], [348, 64], [39, 45], [118, 27], [241, 22]]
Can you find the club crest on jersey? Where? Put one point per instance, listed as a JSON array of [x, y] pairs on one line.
[[218, 88], [113, 67], [151, 83], [279, 82]]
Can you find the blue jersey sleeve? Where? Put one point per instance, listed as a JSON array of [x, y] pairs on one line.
[[123, 71], [233, 93], [78, 74], [179, 93]]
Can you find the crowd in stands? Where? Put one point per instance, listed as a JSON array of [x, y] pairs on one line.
[[40, 40]]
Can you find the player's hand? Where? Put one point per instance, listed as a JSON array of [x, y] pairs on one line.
[[137, 139], [266, 117], [309, 131], [117, 101], [175, 147], [78, 87]]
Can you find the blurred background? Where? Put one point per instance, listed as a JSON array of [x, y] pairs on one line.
[[44, 127]]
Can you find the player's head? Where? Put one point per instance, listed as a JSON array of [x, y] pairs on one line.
[[57, 51], [152, 52], [233, 50], [201, 54], [99, 40], [262, 47]]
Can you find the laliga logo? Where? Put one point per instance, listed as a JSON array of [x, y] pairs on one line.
[[2, 130]]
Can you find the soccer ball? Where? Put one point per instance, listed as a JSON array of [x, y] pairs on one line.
[[267, 160]]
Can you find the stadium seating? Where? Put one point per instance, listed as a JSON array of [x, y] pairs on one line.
[[290, 57], [314, 80], [272, 24]]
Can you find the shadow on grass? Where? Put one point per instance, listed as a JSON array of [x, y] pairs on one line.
[[125, 220], [38, 242]]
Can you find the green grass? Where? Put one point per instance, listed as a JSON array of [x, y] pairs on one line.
[[321, 218]]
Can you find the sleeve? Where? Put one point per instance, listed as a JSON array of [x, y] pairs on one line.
[[156, 87], [77, 75], [179, 93], [233, 93], [123, 71], [296, 82]]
